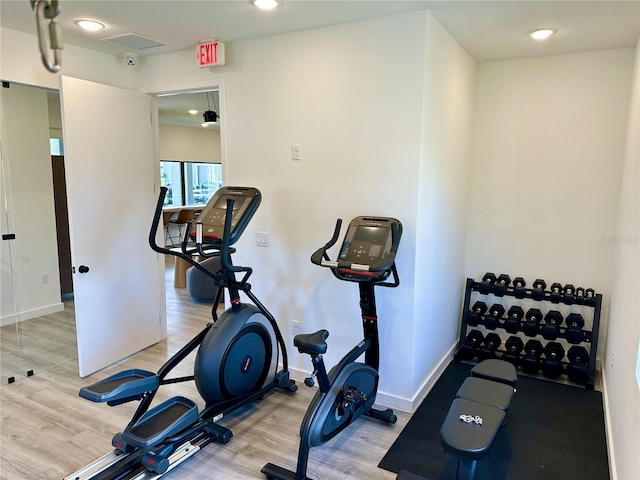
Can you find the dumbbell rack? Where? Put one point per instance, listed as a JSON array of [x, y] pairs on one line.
[[508, 298]]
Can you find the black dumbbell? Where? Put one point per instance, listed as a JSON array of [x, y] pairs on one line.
[[472, 342], [578, 368], [580, 297], [501, 284], [590, 297], [474, 316], [488, 349], [574, 332], [538, 289], [518, 287], [531, 326], [552, 366], [556, 292], [492, 320], [569, 294], [532, 359], [514, 346], [487, 283], [513, 322], [551, 328]]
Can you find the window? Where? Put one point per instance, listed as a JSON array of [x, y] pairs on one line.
[[190, 183], [56, 146]]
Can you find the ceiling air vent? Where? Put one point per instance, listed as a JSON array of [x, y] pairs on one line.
[[133, 40]]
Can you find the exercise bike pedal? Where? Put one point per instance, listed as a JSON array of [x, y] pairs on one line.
[[122, 387], [386, 416], [166, 419]]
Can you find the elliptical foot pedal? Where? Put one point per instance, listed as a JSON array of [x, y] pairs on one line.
[[168, 418], [122, 387]]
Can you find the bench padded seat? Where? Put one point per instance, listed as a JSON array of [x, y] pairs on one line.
[[479, 390], [469, 440], [497, 371]]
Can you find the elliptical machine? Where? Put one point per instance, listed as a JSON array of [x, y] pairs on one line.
[[236, 363], [367, 256]]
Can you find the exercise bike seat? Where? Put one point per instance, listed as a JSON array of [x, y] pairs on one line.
[[311, 343]]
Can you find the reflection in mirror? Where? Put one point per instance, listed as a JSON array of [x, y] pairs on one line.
[[9, 355], [42, 323]]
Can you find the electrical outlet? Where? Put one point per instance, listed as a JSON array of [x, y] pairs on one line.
[[44, 278], [295, 327]]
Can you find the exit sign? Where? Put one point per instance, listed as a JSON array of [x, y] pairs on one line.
[[210, 54]]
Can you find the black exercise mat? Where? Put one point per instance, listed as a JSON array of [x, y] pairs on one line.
[[554, 431]]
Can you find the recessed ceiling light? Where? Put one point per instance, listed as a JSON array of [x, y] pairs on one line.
[[541, 33], [267, 4], [91, 25], [192, 111]]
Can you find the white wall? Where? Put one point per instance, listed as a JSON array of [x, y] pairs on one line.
[[359, 108], [449, 84], [187, 144], [357, 118], [31, 216], [546, 168], [21, 63], [622, 385]]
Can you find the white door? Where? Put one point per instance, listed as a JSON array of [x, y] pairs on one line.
[[111, 172]]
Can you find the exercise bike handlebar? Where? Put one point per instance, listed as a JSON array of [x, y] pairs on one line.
[[320, 255], [321, 258]]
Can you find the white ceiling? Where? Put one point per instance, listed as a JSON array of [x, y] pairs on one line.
[[488, 30]]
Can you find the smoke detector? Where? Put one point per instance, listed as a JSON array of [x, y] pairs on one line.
[[131, 59]]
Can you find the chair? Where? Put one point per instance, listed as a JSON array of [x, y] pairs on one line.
[[166, 217], [184, 216]]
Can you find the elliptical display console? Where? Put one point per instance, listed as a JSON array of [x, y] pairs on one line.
[[246, 201]]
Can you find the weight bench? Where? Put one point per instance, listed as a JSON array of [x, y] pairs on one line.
[[497, 371], [477, 413], [475, 416]]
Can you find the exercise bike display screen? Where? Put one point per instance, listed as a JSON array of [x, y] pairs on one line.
[[371, 234], [368, 239], [246, 202]]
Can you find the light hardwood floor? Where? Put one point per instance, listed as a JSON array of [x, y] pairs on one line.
[[38, 344], [47, 431]]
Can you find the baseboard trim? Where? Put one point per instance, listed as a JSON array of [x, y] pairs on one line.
[[410, 405], [29, 314], [607, 425]]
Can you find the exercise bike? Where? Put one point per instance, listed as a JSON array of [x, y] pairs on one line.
[[237, 358], [348, 391]]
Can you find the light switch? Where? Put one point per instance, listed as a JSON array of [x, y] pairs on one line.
[[295, 151], [262, 239]]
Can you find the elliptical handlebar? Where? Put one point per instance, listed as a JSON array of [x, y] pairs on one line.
[[225, 249], [224, 252]]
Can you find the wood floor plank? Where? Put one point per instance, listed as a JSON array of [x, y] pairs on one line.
[[47, 431]]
